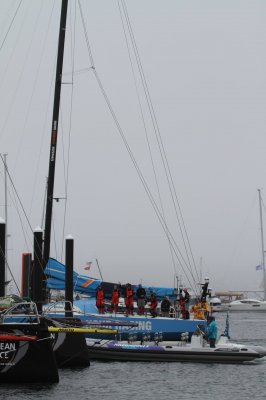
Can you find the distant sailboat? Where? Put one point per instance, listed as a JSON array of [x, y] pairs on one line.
[[262, 246], [249, 304]]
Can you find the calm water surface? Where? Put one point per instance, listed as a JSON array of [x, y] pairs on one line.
[[115, 380]]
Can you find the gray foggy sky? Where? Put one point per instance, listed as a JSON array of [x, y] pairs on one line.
[[205, 66]]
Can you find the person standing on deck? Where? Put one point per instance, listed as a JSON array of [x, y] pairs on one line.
[[129, 301], [204, 310], [211, 331], [153, 305], [195, 309], [100, 299], [141, 299], [165, 307], [181, 306], [187, 301], [115, 299]]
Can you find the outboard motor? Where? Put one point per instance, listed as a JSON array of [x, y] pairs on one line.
[[156, 338], [184, 336], [130, 337], [144, 338]]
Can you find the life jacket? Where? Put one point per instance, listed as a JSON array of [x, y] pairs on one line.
[[182, 307], [100, 297], [203, 310], [154, 302], [100, 294], [115, 296], [181, 302], [196, 311], [129, 296]]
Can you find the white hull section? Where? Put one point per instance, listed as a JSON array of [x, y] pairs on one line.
[[246, 305]]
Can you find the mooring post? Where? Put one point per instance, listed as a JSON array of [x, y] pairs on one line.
[[37, 271], [69, 276], [26, 275]]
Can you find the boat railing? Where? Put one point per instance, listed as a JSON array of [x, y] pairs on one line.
[[58, 307], [24, 312]]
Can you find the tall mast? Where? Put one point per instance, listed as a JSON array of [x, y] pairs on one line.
[[6, 236], [262, 247], [57, 93]]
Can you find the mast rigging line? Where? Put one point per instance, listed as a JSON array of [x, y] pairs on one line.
[[25, 121], [9, 269], [263, 205], [16, 193], [48, 27], [159, 141], [144, 183], [25, 214], [18, 76], [154, 205], [146, 134], [10, 25]]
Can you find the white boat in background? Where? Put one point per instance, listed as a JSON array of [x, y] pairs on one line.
[[246, 305], [216, 304], [249, 304]]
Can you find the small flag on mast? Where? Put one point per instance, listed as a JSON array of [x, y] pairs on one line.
[[259, 267], [88, 265]]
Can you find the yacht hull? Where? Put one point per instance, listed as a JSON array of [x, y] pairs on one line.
[[117, 351]]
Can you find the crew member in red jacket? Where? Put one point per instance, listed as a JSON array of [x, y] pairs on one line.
[[100, 299], [153, 305], [182, 307], [129, 301], [115, 299]]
